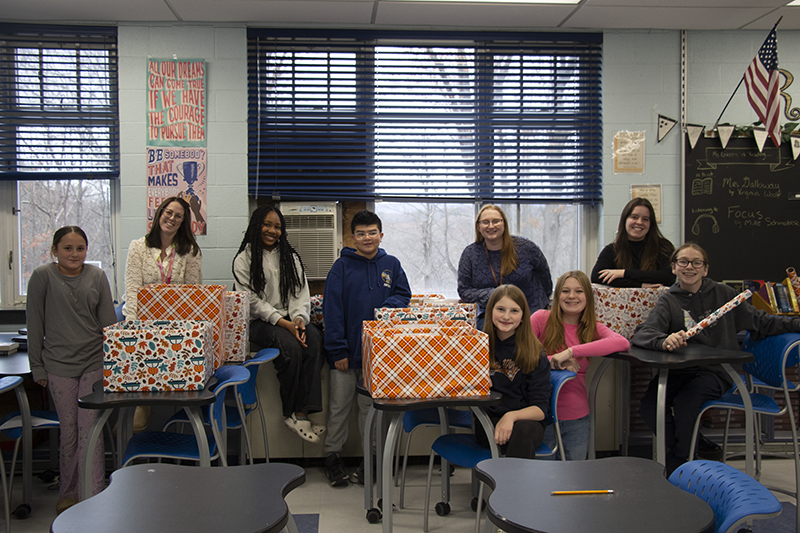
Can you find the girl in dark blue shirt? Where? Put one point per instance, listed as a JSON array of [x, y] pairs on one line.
[[520, 371]]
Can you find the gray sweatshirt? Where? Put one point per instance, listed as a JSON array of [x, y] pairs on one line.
[[679, 309], [71, 312]]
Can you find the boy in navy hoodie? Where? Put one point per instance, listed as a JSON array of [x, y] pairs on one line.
[[361, 280]]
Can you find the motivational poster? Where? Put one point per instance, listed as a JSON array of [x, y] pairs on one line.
[[178, 172], [176, 102]]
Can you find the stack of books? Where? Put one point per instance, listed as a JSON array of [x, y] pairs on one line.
[[772, 297], [7, 348]]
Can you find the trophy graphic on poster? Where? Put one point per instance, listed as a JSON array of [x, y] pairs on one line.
[[189, 170]]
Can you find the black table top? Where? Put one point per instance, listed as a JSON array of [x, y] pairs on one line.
[[16, 364], [109, 400], [412, 404], [167, 498], [643, 499], [691, 355]]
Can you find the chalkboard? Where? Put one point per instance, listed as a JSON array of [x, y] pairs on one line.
[[743, 207]]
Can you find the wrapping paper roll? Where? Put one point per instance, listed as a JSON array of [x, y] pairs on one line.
[[794, 279], [713, 317]]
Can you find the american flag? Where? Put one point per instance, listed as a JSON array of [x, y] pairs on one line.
[[761, 78]]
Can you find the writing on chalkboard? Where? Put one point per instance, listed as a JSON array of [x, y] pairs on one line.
[[742, 205]]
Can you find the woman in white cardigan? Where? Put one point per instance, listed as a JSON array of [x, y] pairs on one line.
[[167, 254]]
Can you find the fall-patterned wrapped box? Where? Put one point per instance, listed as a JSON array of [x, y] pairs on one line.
[[316, 310], [237, 326], [622, 309], [460, 311], [425, 360], [187, 302], [157, 355]]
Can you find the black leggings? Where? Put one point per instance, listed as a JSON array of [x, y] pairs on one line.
[[526, 436]]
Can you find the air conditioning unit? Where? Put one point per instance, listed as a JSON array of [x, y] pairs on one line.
[[315, 232]]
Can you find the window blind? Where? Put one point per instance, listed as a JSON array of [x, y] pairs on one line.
[[424, 116], [59, 110]]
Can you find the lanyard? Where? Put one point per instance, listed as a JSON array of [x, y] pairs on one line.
[[168, 279], [492, 268]]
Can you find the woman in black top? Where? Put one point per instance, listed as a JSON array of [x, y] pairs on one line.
[[639, 256]]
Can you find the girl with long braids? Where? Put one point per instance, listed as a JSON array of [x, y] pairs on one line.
[[280, 308]]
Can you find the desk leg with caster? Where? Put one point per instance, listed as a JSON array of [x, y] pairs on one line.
[[24, 509], [88, 452]]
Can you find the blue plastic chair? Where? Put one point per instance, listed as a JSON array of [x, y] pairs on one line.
[[247, 401], [734, 496], [7, 383], [463, 450], [11, 425], [773, 355], [156, 444], [426, 418], [557, 380]]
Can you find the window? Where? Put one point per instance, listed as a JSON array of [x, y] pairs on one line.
[[415, 116], [429, 124], [428, 238], [59, 143]]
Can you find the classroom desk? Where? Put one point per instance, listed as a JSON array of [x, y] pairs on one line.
[[643, 499], [17, 364], [190, 401], [688, 356], [166, 498], [396, 408]]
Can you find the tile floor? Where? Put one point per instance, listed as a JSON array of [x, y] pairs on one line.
[[341, 509]]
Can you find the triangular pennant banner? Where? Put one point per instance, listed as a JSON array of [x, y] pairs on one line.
[[761, 137], [795, 141], [694, 131], [665, 125], [725, 134]]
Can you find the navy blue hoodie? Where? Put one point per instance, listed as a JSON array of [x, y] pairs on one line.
[[355, 287]]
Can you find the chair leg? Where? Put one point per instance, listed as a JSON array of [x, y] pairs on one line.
[[796, 454], [263, 427], [13, 466], [403, 473], [478, 511], [396, 470], [694, 435], [725, 437], [6, 496], [428, 493]]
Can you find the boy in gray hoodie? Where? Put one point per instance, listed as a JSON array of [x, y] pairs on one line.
[[690, 300]]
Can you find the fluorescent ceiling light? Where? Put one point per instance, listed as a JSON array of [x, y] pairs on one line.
[[499, 1], [796, 3]]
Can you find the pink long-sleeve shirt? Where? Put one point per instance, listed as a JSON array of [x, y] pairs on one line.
[[573, 402]]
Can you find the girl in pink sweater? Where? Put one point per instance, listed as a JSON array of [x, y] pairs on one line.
[[571, 334]]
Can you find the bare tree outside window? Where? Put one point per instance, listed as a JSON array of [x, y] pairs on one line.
[[46, 206], [428, 238]]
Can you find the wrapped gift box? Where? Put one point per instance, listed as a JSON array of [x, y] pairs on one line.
[[425, 361], [622, 309], [465, 312], [316, 310], [237, 326], [157, 355], [187, 302]]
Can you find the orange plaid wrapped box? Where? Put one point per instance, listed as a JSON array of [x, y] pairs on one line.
[[622, 309], [237, 326], [157, 355], [187, 302], [425, 361]]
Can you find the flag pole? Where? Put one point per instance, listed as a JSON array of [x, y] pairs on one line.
[[742, 78]]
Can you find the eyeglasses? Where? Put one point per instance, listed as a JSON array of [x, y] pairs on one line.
[[173, 215], [487, 223], [364, 234], [683, 263]]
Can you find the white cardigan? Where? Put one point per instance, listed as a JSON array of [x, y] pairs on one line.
[[141, 269]]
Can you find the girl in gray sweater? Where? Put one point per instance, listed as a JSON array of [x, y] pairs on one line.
[[69, 303]]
